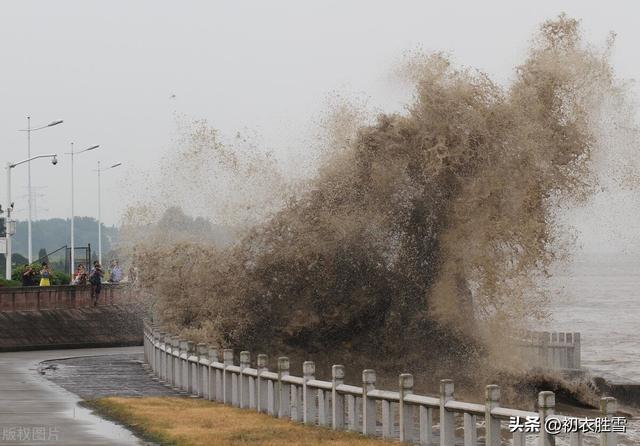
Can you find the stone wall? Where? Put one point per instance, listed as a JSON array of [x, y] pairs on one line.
[[103, 326]]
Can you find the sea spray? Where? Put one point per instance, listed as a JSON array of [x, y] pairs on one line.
[[421, 240]]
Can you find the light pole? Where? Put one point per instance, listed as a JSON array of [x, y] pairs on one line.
[[54, 161], [29, 199], [100, 209], [73, 216]]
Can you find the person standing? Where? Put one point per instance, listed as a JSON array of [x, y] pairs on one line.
[[95, 279], [116, 272], [28, 276], [45, 275], [81, 276]]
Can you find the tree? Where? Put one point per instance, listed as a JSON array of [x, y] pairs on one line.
[[42, 255]]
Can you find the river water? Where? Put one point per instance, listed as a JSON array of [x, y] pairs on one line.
[[599, 296]]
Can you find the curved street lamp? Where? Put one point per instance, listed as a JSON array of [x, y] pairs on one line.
[[9, 208], [73, 217], [29, 130]]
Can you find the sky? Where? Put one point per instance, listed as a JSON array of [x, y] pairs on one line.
[[118, 72]]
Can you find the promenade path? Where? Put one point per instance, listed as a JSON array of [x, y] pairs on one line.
[[36, 411]]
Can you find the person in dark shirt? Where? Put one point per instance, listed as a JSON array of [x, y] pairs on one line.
[[95, 279], [28, 276]]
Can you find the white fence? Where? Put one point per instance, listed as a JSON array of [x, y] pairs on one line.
[[425, 420], [551, 350]]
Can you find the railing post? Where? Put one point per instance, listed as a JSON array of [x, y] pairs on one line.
[[308, 401], [201, 370], [243, 380], [368, 404], [447, 425], [184, 379], [406, 410], [608, 408], [261, 384], [215, 384], [576, 351], [175, 363], [337, 400], [163, 357], [546, 406], [492, 400], [284, 394], [227, 389], [190, 351]]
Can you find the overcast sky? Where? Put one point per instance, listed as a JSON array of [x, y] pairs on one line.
[[110, 69]]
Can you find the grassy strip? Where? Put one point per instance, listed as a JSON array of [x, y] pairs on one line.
[[194, 422]]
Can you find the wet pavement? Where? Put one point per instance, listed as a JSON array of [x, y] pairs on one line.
[[105, 375], [37, 411]]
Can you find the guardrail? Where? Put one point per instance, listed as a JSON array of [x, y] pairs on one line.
[[61, 297], [551, 350], [199, 370]]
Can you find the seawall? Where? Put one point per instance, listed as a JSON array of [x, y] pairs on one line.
[[63, 317]]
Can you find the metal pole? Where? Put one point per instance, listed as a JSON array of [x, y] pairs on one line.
[[29, 243], [73, 265], [99, 219], [8, 219]]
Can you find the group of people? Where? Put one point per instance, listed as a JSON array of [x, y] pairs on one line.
[[80, 277], [29, 275]]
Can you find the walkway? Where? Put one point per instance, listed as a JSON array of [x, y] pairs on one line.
[[35, 411]]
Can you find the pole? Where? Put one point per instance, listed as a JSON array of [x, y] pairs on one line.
[[73, 265], [29, 242], [99, 219], [8, 219]]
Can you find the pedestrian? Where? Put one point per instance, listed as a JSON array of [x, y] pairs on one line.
[[28, 276], [80, 277], [45, 275], [116, 272], [95, 279]]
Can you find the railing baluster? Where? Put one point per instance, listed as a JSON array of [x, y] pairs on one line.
[[470, 431], [426, 426]]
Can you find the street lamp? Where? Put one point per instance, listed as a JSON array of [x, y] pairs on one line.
[[29, 130], [73, 245], [9, 208], [99, 170]]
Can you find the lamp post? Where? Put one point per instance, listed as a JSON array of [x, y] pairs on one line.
[[8, 222], [99, 170], [73, 217], [29, 199]]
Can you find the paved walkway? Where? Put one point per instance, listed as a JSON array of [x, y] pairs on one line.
[[36, 411]]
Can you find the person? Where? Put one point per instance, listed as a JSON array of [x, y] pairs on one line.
[[80, 277], [95, 279], [45, 275], [28, 276], [116, 272]]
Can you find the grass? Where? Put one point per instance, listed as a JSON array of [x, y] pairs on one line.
[[193, 422]]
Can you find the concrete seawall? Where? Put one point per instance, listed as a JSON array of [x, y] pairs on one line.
[[104, 326], [40, 318]]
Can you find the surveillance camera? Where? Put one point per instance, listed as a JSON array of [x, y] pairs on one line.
[[54, 161]]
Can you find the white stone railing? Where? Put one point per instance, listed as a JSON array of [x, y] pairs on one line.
[[551, 350], [198, 370]]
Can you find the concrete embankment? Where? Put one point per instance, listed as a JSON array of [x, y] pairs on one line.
[[104, 326]]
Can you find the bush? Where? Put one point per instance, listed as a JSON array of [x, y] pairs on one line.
[[57, 277], [9, 283]]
